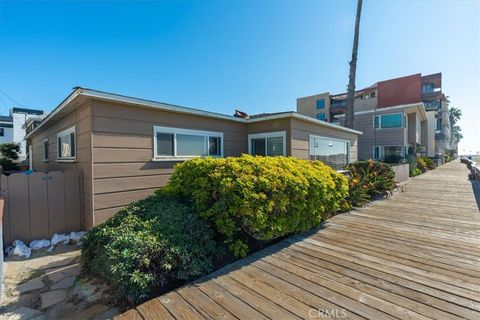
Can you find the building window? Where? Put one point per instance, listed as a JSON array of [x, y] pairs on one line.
[[173, 143], [320, 103], [332, 152], [45, 150], [2, 132], [376, 153], [267, 144], [66, 144], [386, 121], [439, 124], [372, 95], [321, 116], [391, 154], [428, 87]]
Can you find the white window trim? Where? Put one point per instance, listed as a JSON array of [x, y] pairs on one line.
[[43, 148], [175, 131], [402, 125], [64, 133], [266, 135], [334, 139]]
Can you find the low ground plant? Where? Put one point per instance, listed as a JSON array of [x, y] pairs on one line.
[[260, 198], [369, 179], [149, 244]]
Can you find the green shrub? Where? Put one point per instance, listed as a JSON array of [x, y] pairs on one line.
[[369, 178], [415, 172], [259, 198], [422, 164], [150, 243], [430, 164], [447, 158]]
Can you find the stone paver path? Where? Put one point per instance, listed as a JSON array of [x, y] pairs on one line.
[[47, 286]]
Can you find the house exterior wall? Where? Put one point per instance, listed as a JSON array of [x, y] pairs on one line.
[[376, 137], [123, 150], [308, 105], [114, 148], [430, 133], [404, 90], [300, 138], [7, 132], [81, 118]]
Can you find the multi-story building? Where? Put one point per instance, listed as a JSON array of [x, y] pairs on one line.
[[12, 127], [397, 116]]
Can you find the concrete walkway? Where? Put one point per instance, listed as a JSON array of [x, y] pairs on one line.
[[415, 255]]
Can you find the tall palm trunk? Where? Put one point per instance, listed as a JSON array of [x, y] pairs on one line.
[[349, 115]]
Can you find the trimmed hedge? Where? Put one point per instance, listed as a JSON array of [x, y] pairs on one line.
[[151, 243], [368, 179], [259, 198]]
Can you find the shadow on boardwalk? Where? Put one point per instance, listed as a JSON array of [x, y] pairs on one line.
[[414, 255]]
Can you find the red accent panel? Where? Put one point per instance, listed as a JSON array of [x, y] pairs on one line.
[[398, 91]]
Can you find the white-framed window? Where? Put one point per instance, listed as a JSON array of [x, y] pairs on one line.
[[267, 144], [66, 144], [45, 149], [387, 121], [176, 143], [333, 152]]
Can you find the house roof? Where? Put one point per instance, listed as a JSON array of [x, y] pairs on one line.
[[106, 96]]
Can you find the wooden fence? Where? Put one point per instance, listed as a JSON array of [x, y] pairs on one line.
[[39, 204]]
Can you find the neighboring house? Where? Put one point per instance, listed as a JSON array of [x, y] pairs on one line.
[[12, 128], [397, 115], [127, 147]]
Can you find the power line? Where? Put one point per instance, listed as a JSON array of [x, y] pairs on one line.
[[18, 103]]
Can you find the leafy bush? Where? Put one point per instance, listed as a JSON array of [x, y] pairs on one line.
[[422, 164], [369, 178], [447, 158], [150, 243], [429, 163], [415, 172], [259, 198]]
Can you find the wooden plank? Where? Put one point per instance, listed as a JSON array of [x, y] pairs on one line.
[[204, 304], [56, 202], [154, 310], [73, 214], [38, 202], [19, 207], [131, 314], [6, 223], [178, 307]]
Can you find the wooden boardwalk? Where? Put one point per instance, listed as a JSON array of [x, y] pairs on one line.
[[415, 255]]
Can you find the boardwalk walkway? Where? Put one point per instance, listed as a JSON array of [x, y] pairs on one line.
[[415, 255]]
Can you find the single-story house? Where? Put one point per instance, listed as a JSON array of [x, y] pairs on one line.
[[127, 147]]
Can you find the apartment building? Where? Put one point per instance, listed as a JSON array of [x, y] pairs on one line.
[[12, 127], [397, 116]]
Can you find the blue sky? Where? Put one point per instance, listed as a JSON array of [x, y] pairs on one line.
[[258, 56]]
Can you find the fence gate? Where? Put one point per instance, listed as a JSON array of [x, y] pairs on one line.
[[40, 204]]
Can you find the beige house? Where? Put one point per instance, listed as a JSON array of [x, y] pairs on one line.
[[127, 147]]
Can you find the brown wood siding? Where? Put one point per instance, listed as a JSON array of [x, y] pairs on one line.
[[301, 131], [123, 151], [380, 137], [80, 117]]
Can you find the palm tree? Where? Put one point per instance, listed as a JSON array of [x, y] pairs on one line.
[[454, 115], [349, 114]]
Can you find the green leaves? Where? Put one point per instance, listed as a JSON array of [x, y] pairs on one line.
[[368, 179], [148, 244], [261, 198]]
